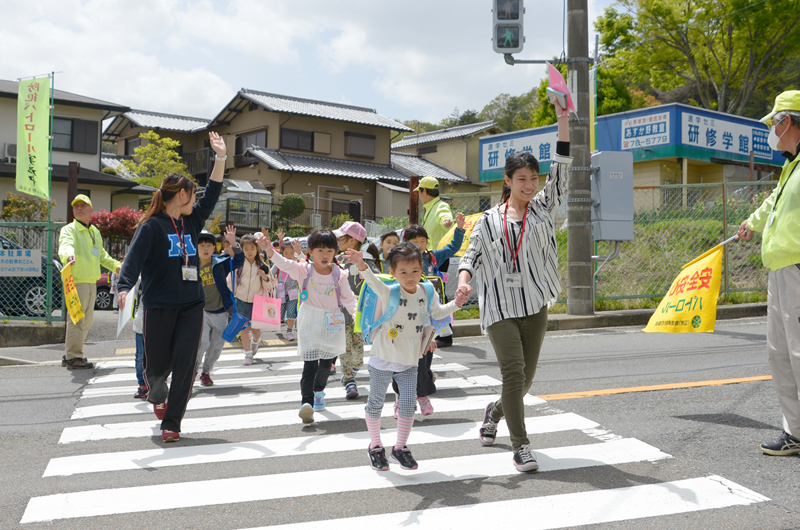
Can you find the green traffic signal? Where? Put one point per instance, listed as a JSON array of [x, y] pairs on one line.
[[507, 36]]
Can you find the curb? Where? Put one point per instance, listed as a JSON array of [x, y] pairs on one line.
[[555, 322], [612, 319]]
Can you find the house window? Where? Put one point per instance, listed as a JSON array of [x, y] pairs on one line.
[[62, 134], [426, 150], [243, 141], [299, 140], [131, 144], [77, 136], [359, 145]]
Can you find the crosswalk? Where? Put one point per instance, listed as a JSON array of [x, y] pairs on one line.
[[244, 451]]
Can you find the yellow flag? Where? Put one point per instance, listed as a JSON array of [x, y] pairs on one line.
[[469, 224], [691, 302], [71, 295]]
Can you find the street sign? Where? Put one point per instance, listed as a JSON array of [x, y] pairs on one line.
[[508, 36]]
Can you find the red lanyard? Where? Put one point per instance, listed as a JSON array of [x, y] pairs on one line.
[[181, 235], [522, 232]]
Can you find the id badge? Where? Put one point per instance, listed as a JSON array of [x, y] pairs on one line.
[[334, 321], [771, 218], [514, 279], [95, 251], [189, 273]]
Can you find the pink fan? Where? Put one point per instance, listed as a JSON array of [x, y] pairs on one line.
[[558, 90]]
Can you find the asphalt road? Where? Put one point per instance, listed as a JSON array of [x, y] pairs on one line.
[[674, 458]]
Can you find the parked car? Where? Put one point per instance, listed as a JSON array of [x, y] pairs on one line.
[[27, 295], [104, 299]]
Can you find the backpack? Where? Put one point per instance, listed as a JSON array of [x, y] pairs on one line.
[[337, 271], [370, 314]]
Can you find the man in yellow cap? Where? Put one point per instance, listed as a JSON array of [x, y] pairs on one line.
[[437, 217], [778, 218], [81, 244]]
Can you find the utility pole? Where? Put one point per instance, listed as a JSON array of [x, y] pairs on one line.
[[580, 297]]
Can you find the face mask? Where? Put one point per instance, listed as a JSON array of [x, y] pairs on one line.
[[773, 139]]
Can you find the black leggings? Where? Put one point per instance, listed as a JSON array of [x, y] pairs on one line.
[[314, 378], [171, 340]]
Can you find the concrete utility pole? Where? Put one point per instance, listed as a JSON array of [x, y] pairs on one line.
[[580, 297]]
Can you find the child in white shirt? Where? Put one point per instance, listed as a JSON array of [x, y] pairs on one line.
[[397, 347]]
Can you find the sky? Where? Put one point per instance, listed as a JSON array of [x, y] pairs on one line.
[[409, 60]]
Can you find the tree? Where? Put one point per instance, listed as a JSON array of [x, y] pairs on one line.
[[291, 205], [511, 112], [23, 209], [712, 53], [157, 158]]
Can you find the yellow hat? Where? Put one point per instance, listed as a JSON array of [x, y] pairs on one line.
[[428, 183], [789, 100], [84, 198]]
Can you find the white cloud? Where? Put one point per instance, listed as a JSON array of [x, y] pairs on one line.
[[415, 59]]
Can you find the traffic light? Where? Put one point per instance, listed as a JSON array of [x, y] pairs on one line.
[[508, 36]]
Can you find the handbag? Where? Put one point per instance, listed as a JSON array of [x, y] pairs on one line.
[[266, 313], [238, 321]]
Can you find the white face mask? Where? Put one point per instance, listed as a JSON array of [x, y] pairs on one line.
[[773, 139]]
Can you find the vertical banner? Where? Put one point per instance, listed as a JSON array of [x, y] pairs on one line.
[[691, 302], [33, 130], [592, 109], [73, 302]]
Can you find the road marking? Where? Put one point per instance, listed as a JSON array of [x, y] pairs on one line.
[[124, 351], [273, 367], [326, 481], [306, 445], [264, 398], [567, 510], [260, 420], [670, 386]]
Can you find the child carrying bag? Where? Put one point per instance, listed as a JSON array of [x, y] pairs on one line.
[[266, 313], [238, 322]]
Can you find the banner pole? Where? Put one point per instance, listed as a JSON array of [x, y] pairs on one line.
[[729, 240], [49, 304]]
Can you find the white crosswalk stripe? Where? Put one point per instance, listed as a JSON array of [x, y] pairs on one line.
[[106, 409]]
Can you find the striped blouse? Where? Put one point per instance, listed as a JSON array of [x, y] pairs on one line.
[[489, 259]]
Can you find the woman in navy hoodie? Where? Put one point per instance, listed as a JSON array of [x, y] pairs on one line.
[[164, 252]]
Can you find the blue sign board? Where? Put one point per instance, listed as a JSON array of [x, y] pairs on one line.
[[665, 131]]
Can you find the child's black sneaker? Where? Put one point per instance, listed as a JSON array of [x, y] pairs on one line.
[[784, 446], [524, 459], [404, 458], [488, 430], [377, 459]]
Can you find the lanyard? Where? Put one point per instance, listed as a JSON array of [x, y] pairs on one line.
[[508, 239], [780, 192], [181, 235]]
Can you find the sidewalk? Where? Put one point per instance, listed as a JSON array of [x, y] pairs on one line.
[[121, 349]]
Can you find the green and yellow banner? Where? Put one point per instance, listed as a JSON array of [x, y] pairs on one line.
[[691, 302], [33, 129]]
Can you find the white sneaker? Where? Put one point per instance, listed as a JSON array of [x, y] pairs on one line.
[[248, 359]]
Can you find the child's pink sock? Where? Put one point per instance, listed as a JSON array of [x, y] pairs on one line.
[[403, 430], [374, 428]]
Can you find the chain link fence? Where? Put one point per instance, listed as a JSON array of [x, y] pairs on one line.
[[24, 292], [673, 224]]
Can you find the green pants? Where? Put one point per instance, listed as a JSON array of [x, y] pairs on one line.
[[353, 357], [517, 343]]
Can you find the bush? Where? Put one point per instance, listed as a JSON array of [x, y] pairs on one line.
[[19, 208], [292, 205], [393, 223], [338, 220], [109, 171], [119, 224]]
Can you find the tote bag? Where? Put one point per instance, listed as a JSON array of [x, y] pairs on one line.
[[266, 313]]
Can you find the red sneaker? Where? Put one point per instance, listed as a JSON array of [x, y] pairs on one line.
[[170, 436], [205, 379], [159, 410]]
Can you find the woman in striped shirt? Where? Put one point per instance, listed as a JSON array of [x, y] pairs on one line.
[[513, 255]]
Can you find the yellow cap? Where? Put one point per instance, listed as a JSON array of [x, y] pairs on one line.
[[428, 183], [789, 100], [82, 197]]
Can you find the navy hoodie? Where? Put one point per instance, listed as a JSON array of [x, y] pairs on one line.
[[155, 253]]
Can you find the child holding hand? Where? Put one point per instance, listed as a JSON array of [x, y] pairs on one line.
[[324, 293], [397, 347]]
